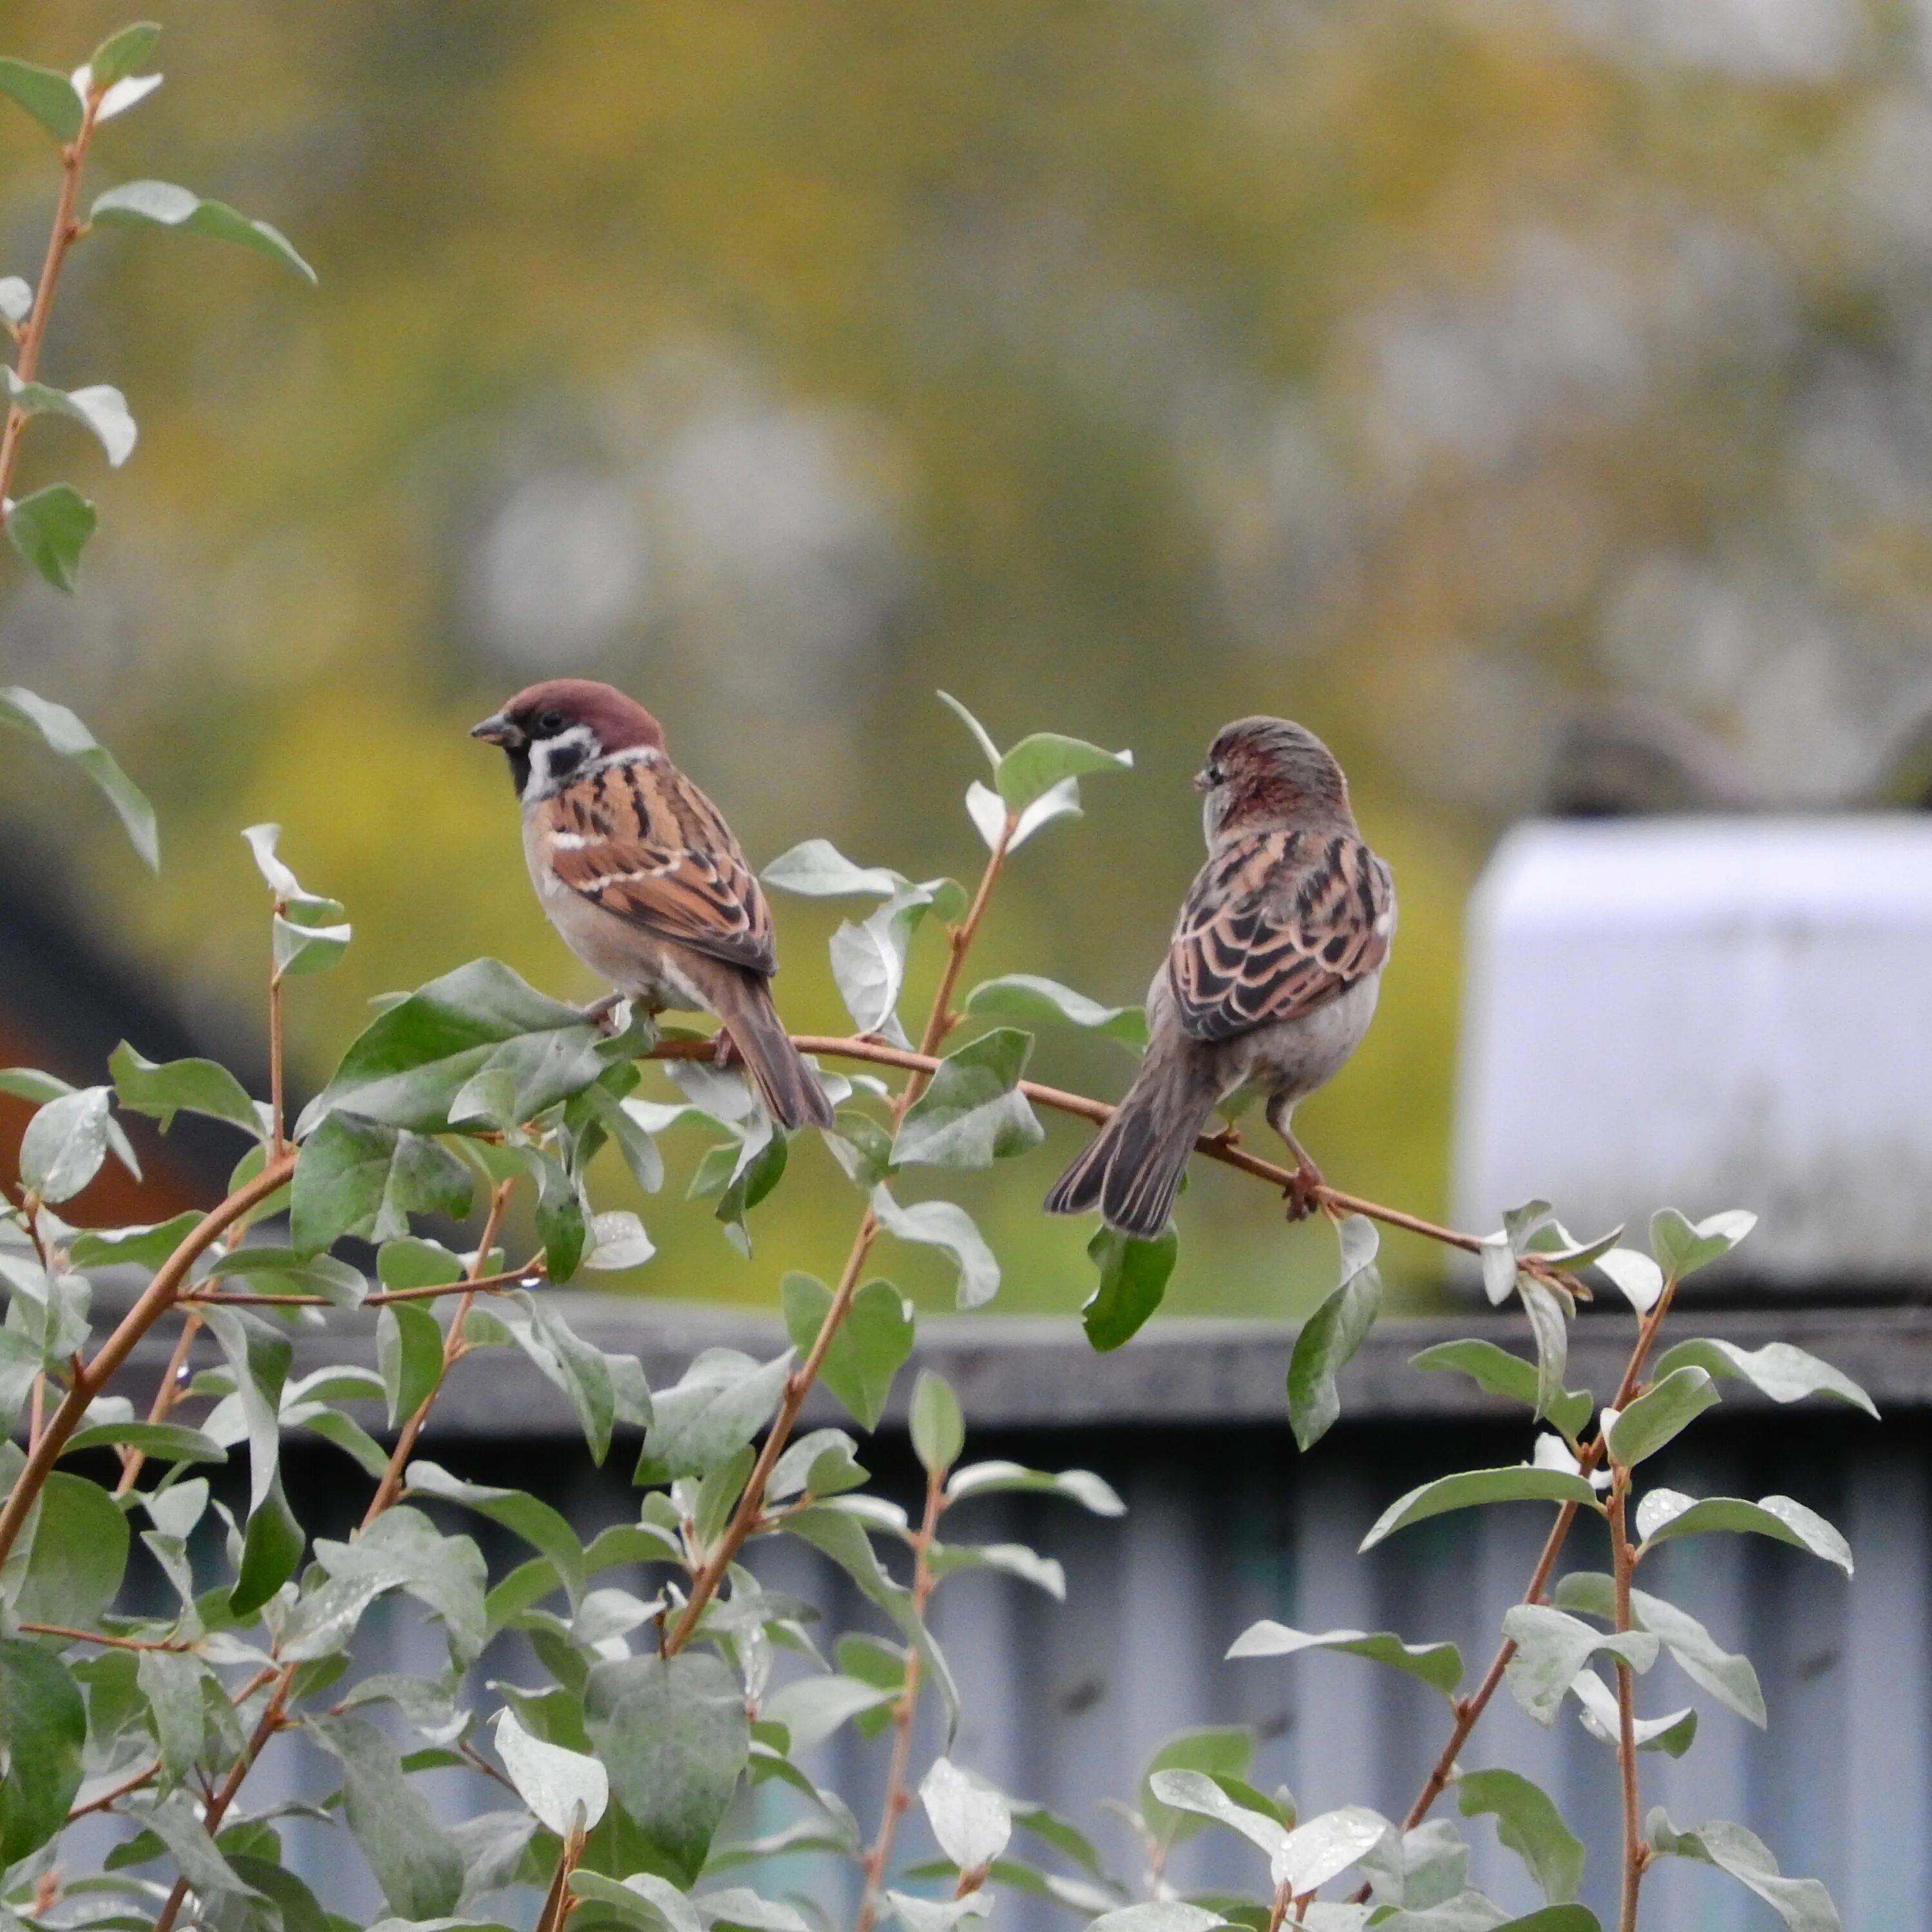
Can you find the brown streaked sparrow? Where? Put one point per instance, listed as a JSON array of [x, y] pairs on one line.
[[1270, 981], [640, 873]]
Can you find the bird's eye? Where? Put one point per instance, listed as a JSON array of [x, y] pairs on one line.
[[550, 724], [1216, 775]]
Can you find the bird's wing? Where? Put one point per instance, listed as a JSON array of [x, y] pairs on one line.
[[1277, 924], [641, 841]]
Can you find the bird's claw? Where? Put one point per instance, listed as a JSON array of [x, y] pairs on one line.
[[1304, 1185], [724, 1050], [1225, 1137], [602, 1013]]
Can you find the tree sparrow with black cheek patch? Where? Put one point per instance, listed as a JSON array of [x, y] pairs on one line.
[[640, 873], [1270, 981]]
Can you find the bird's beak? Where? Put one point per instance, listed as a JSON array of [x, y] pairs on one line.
[[1199, 780], [496, 730]]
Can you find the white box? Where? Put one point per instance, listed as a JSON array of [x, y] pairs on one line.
[[1708, 1013]]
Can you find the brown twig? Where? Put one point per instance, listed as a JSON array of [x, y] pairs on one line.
[[488, 1284], [898, 1799], [108, 1798], [60, 237], [156, 1299], [454, 1349], [165, 1395], [1627, 1764], [558, 1904], [798, 1385], [1216, 1146], [106, 1637], [1469, 1709]]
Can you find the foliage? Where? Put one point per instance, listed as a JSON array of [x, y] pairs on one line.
[[657, 1704]]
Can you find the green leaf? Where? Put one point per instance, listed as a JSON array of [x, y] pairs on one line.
[[716, 1407], [981, 736], [946, 1225], [841, 1536], [1215, 1749], [1673, 1735], [156, 204], [867, 1349], [1528, 1824], [160, 1441], [1803, 1903], [70, 1555], [1521, 1482], [258, 1360], [868, 960], [50, 530], [938, 1428], [121, 52], [1555, 1918], [171, 1681], [1727, 1675], [65, 1144], [1045, 759], [408, 1355], [673, 1734], [182, 1086], [1438, 1665], [282, 1271], [618, 1242], [1497, 1372], [1027, 997], [642, 1900], [1332, 1334], [1133, 1278], [271, 1547], [100, 408], [1658, 1416], [1682, 1246], [414, 1060], [970, 1817], [810, 1709], [1552, 1649], [1784, 1373], [539, 1526], [972, 1113], [145, 1246], [64, 732], [567, 1790], [355, 1176], [602, 1388], [302, 941], [174, 1822], [43, 1731], [1013, 1559], [409, 1262], [47, 96], [1665, 1513], [1549, 1313], [1205, 1797], [817, 869], [1079, 1486], [401, 1549], [415, 1861], [1637, 1278], [1325, 1847], [563, 1226]]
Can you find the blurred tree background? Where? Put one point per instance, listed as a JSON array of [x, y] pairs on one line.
[[1425, 370]]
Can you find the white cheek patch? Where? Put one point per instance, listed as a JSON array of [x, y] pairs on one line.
[[555, 761]]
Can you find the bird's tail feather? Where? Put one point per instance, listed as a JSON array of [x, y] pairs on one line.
[[1131, 1171], [791, 1093]]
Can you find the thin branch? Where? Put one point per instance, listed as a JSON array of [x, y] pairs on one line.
[[454, 1349], [156, 1300], [60, 237], [897, 1799], [488, 1284], [798, 1385], [1215, 1146], [1469, 1709], [166, 1396], [108, 1799], [106, 1637], [1621, 1561], [276, 1139]]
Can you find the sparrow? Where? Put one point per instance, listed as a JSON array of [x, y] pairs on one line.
[[639, 873], [1269, 980]]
